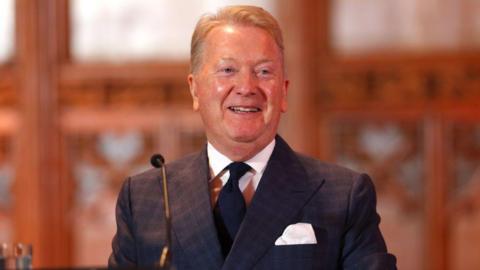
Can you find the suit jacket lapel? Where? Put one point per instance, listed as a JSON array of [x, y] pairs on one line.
[[192, 219], [282, 192]]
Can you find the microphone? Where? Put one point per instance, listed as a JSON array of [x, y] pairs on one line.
[[158, 161]]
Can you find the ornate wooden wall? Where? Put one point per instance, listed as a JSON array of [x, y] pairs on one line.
[[70, 132]]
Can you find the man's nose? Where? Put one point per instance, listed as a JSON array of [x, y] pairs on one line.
[[246, 83]]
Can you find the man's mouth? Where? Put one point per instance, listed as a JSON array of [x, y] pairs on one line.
[[240, 109]]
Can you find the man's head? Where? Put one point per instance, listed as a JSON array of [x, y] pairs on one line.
[[237, 79]]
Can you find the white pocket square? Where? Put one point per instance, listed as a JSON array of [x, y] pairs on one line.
[[297, 234]]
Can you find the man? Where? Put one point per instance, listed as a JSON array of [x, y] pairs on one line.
[[277, 209]]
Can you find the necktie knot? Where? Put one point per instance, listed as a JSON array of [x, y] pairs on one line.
[[237, 170]]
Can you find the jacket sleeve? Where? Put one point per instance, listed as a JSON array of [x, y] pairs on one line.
[[123, 244], [364, 246]]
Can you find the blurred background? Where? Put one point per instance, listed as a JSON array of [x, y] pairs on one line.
[[90, 89]]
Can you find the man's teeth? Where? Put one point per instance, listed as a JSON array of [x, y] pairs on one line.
[[244, 109]]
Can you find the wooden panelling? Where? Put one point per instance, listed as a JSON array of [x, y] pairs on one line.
[[126, 85], [305, 27], [441, 81], [80, 73], [40, 208], [8, 96], [462, 144]]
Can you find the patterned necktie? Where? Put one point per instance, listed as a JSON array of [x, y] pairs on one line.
[[230, 208]]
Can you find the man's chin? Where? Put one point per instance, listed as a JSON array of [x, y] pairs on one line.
[[247, 138], [244, 138]]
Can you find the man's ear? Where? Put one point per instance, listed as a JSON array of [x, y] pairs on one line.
[[193, 91], [284, 105]]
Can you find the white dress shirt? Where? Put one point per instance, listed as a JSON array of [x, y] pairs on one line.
[[248, 182]]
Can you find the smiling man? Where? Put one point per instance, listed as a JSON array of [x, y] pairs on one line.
[[247, 200]]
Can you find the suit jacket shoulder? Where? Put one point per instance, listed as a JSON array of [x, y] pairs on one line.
[[317, 170], [151, 176]]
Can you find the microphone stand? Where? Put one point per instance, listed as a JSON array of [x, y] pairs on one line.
[[158, 161]]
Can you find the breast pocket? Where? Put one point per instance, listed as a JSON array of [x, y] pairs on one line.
[[308, 256]]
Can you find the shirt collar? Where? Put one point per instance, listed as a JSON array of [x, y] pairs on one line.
[[218, 161]]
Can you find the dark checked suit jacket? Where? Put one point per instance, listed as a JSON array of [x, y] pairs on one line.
[[339, 203]]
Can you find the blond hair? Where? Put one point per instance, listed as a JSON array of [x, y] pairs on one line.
[[234, 15]]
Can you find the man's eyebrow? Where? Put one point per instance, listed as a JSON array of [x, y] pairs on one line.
[[225, 59], [259, 62], [263, 61]]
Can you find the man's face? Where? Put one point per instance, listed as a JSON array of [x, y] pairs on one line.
[[239, 89]]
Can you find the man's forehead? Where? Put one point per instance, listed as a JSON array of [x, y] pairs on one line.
[[238, 34], [232, 29]]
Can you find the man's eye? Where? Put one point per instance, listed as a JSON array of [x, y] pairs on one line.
[[264, 71], [227, 70]]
